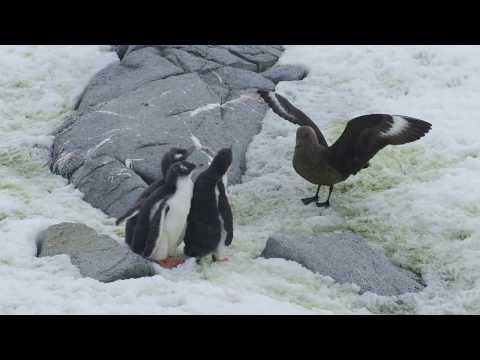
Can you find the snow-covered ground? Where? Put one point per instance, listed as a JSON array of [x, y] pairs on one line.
[[419, 202]]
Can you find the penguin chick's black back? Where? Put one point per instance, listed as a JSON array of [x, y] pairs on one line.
[[204, 229]]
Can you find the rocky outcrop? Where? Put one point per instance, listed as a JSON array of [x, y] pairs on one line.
[[346, 258], [160, 96], [96, 256]]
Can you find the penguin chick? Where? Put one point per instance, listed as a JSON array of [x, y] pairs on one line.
[[162, 217], [210, 221]]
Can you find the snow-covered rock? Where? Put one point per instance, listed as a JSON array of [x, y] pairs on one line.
[[96, 256], [153, 98], [346, 258]]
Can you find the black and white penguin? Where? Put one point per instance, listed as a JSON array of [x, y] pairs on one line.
[[162, 217], [172, 156], [210, 222]]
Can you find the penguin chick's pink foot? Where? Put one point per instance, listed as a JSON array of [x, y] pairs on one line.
[[219, 258], [170, 263]]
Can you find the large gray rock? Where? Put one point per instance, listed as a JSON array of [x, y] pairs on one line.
[[137, 69], [96, 256], [153, 98], [347, 259]]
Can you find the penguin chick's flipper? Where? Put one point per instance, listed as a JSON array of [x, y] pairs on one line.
[[145, 225], [135, 209], [129, 213], [130, 230], [157, 184]]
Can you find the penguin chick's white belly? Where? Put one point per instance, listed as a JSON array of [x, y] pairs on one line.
[[173, 224], [220, 250]]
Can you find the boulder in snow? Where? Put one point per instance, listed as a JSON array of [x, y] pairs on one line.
[[96, 256], [346, 258]]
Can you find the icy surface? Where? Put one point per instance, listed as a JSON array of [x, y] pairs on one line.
[[418, 202]]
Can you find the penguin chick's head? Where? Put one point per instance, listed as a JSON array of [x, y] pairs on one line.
[[175, 155], [222, 161], [306, 136], [178, 170]]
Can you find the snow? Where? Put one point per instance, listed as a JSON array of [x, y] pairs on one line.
[[418, 202]]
